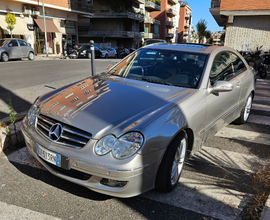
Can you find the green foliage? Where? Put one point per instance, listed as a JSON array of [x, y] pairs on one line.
[[11, 21], [11, 112], [201, 29]]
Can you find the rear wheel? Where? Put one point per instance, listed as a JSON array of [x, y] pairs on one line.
[[4, 57], [172, 164], [31, 56], [106, 56], [245, 112]]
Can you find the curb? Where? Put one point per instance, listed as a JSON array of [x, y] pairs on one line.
[[7, 141], [266, 210]]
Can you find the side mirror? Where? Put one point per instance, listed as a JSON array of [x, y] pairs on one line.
[[221, 86]]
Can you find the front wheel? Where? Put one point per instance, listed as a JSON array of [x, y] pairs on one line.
[[172, 164], [245, 112], [31, 56], [262, 72]]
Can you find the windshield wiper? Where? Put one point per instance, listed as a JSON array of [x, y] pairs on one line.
[[155, 81]]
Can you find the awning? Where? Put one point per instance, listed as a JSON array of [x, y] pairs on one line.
[[20, 27], [50, 26]]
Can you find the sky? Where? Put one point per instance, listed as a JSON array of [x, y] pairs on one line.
[[200, 10]]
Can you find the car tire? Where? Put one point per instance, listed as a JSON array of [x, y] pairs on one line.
[[106, 56], [245, 112], [4, 57], [115, 56], [172, 164], [31, 56]]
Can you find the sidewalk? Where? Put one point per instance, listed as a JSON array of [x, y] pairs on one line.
[[44, 57]]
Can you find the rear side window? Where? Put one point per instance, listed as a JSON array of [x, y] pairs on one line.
[[23, 43], [226, 66], [13, 43]]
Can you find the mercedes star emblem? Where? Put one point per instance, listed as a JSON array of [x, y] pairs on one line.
[[56, 132]]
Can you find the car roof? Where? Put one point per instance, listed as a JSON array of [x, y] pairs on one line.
[[195, 48]]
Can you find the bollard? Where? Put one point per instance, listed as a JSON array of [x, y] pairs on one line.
[[93, 67]]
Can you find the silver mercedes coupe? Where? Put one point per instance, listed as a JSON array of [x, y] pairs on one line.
[[131, 128]]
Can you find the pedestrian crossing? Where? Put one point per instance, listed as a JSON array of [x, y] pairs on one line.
[[216, 181]]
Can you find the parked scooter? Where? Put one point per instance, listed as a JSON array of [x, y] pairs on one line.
[[257, 61], [71, 53]]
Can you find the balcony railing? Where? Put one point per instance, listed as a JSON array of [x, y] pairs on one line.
[[215, 3], [139, 1], [125, 14], [121, 34], [173, 1], [77, 5], [187, 25], [169, 35], [171, 11], [169, 23], [148, 35], [148, 20], [152, 6], [185, 33], [187, 15]]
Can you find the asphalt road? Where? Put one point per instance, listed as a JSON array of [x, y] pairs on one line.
[[23, 81], [216, 183]]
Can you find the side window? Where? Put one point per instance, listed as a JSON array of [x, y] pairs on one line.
[[22, 43], [226, 66], [13, 43]]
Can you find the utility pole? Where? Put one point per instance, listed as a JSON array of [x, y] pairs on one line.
[[45, 32]]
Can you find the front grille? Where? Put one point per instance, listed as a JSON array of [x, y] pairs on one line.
[[71, 173], [71, 136]]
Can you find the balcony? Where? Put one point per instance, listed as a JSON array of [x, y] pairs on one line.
[[78, 5], [187, 15], [215, 4], [173, 1], [169, 35], [169, 23], [139, 1], [185, 33], [151, 6], [125, 14], [119, 34], [148, 35], [171, 12], [187, 25], [148, 20]]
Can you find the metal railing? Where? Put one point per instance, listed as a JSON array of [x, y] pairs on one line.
[[128, 34], [125, 14], [215, 3]]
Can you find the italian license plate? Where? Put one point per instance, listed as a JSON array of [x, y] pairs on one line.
[[49, 156]]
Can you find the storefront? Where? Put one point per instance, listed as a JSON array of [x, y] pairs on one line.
[[51, 29]]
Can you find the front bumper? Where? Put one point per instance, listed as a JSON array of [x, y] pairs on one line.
[[90, 170]]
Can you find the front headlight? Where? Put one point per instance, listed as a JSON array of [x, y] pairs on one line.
[[32, 113], [121, 148]]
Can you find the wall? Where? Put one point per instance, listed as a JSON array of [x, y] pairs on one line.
[[250, 32], [60, 3], [227, 5]]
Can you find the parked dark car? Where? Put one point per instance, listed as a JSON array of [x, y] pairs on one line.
[[123, 52], [15, 49], [84, 51], [131, 50]]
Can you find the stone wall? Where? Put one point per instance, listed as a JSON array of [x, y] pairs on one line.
[[249, 32]]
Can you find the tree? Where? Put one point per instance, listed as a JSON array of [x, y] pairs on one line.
[[11, 21], [201, 30]]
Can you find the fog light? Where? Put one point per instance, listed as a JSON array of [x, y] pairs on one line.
[[113, 183]]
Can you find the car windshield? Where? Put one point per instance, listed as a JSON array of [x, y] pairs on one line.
[[168, 67], [3, 42]]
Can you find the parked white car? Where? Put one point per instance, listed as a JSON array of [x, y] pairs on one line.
[[109, 52]]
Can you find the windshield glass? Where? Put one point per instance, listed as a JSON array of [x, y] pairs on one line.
[[3, 42], [167, 67]]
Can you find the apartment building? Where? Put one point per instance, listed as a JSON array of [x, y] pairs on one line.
[[185, 22], [168, 19], [246, 23], [61, 22]]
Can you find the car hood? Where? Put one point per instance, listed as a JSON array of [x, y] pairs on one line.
[[108, 104]]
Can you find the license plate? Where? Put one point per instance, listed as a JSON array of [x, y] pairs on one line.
[[49, 156]]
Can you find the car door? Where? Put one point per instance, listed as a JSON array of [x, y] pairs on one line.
[[109, 52], [222, 106], [13, 49], [24, 48]]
